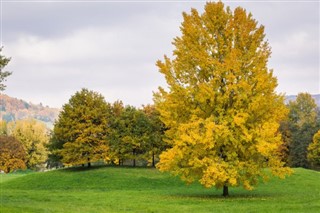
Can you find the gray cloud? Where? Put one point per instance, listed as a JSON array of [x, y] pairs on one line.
[[58, 48]]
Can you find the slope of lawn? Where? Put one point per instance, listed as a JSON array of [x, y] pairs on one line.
[[112, 189]]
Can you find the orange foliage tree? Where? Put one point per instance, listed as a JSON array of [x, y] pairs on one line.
[[12, 154]]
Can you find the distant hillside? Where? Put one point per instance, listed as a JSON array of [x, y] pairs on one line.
[[293, 98], [15, 109]]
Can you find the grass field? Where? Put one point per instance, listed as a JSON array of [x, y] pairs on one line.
[[111, 189]]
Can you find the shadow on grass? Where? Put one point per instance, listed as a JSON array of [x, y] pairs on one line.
[[232, 196], [83, 168], [96, 167]]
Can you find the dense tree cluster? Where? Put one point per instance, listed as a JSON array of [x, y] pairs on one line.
[[299, 129], [32, 136], [91, 130], [135, 134]]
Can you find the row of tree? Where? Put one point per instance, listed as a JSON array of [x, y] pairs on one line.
[[89, 130]]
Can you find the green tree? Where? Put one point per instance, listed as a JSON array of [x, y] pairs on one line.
[[33, 135], [220, 108], [129, 135], [12, 154], [302, 124], [80, 133], [3, 74], [155, 145]]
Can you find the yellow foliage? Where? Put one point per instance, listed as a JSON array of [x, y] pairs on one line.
[[221, 109], [34, 137], [314, 150]]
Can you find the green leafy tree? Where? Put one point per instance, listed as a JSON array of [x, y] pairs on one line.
[[12, 154], [3, 74], [220, 108], [129, 135], [33, 135], [314, 151], [80, 133], [155, 145], [302, 124]]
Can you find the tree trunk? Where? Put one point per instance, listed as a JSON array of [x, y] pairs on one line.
[[89, 163], [225, 191], [153, 163], [134, 157]]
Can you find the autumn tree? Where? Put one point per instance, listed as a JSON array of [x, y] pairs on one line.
[[220, 108], [34, 137], [314, 151], [3, 74], [3, 128], [12, 154], [302, 125], [80, 133]]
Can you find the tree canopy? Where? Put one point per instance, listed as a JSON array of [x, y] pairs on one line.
[[34, 137], [302, 124], [314, 151], [220, 108], [12, 154], [80, 133]]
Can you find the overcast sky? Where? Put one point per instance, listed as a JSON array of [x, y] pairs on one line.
[[59, 47]]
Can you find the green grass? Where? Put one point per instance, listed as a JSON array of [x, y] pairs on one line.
[[111, 189]]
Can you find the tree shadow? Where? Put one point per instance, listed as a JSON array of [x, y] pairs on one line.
[[232, 196], [83, 168]]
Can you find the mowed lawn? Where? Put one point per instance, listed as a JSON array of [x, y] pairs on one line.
[[113, 189]]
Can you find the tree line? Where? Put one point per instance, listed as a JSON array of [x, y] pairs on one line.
[[91, 130]]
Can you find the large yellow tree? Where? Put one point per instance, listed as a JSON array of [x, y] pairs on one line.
[[220, 105]]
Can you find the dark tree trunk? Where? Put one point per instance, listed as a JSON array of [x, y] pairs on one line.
[[89, 163], [82, 165], [225, 191], [134, 157], [153, 163]]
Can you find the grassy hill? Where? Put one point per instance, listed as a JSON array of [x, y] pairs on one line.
[[111, 189]]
